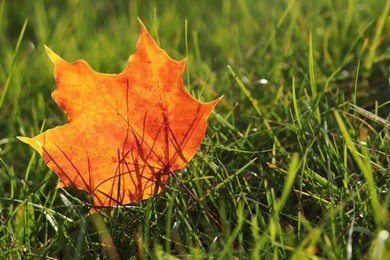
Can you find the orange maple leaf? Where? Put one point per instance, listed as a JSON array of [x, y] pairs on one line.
[[126, 131]]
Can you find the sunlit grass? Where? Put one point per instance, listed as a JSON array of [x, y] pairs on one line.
[[295, 163]]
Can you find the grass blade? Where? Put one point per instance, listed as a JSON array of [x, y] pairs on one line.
[[2, 97]]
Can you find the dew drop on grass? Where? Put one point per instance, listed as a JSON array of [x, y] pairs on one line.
[[262, 81], [176, 226], [383, 235]]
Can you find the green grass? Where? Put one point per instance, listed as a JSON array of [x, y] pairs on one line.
[[295, 162]]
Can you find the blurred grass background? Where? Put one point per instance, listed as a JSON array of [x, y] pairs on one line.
[[295, 163]]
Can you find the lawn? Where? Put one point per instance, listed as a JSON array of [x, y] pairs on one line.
[[295, 163]]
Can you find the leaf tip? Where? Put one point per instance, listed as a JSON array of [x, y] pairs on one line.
[[143, 27], [34, 143], [53, 57], [216, 101], [140, 22], [24, 139]]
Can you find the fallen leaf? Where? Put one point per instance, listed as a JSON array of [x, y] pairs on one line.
[[126, 131]]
